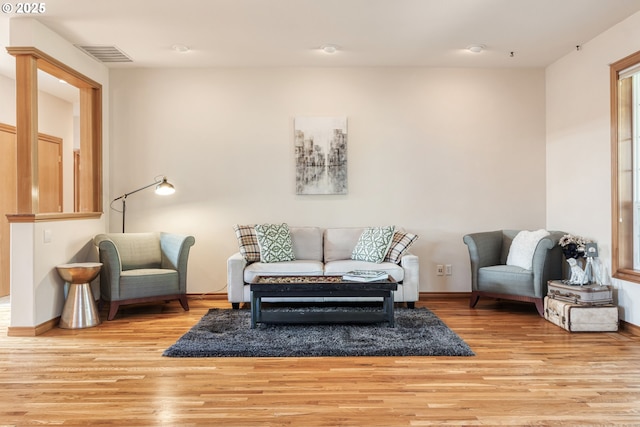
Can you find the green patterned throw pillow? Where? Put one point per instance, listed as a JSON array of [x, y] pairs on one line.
[[373, 244], [275, 243]]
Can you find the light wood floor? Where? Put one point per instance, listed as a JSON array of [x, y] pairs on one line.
[[526, 372]]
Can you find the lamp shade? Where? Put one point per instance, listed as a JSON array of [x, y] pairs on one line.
[[165, 188]]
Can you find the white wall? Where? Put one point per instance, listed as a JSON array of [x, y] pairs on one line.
[[440, 152], [7, 100], [37, 292], [579, 145]]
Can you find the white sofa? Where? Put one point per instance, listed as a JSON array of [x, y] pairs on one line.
[[321, 251]]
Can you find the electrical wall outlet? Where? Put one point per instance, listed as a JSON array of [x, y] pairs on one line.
[[447, 269], [440, 270]]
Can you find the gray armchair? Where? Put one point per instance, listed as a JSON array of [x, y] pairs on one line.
[[491, 277], [143, 267]]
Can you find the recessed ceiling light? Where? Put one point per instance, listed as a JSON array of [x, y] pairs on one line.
[[180, 48], [329, 48], [476, 48]]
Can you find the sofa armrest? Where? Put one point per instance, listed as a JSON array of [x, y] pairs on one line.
[[411, 283], [235, 277]]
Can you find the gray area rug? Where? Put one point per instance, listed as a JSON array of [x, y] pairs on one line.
[[227, 333]]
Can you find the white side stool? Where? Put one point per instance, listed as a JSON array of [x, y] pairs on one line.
[[80, 309]]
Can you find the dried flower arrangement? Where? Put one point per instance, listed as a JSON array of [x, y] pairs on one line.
[[573, 246]]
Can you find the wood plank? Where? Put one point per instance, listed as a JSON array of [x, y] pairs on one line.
[[526, 371]]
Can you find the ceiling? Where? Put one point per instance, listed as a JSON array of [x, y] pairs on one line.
[[368, 33]]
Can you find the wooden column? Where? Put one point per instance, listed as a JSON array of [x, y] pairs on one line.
[[27, 133], [86, 151], [90, 150]]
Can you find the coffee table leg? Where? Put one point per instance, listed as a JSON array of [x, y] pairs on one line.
[[254, 310], [388, 307]]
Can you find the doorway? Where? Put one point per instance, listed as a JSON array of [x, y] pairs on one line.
[[50, 172], [8, 200]]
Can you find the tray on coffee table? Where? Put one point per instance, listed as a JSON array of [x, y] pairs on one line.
[[320, 286]]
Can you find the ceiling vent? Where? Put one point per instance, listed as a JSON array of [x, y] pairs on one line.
[[105, 53]]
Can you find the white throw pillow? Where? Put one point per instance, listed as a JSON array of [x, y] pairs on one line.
[[523, 248]]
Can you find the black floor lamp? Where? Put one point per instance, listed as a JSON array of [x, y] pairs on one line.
[[163, 188]]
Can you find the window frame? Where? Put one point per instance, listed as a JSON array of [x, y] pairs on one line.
[[622, 190]]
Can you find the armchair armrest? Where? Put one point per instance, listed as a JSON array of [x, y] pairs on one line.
[[235, 278], [484, 250], [111, 267], [175, 254], [175, 250], [547, 262], [485, 247]]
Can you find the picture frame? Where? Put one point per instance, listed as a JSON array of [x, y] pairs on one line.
[[591, 250], [320, 155]]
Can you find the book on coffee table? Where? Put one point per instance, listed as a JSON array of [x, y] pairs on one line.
[[365, 275]]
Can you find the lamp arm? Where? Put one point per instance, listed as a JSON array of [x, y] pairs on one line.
[[158, 180], [124, 196]]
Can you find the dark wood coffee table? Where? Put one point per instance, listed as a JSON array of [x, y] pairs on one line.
[[320, 286]]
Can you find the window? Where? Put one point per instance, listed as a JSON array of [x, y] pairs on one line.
[[635, 126], [625, 154]]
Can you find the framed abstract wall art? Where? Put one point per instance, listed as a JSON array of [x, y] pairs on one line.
[[321, 155]]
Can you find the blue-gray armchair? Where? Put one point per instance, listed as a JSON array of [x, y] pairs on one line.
[[491, 277], [143, 267]]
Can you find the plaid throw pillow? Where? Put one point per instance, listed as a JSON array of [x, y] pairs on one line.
[[399, 246], [248, 242]]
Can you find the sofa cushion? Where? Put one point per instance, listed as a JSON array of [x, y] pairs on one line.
[[147, 282], [297, 267], [138, 250], [338, 268], [399, 246], [247, 242], [339, 242], [373, 244], [307, 242], [275, 242], [505, 279]]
